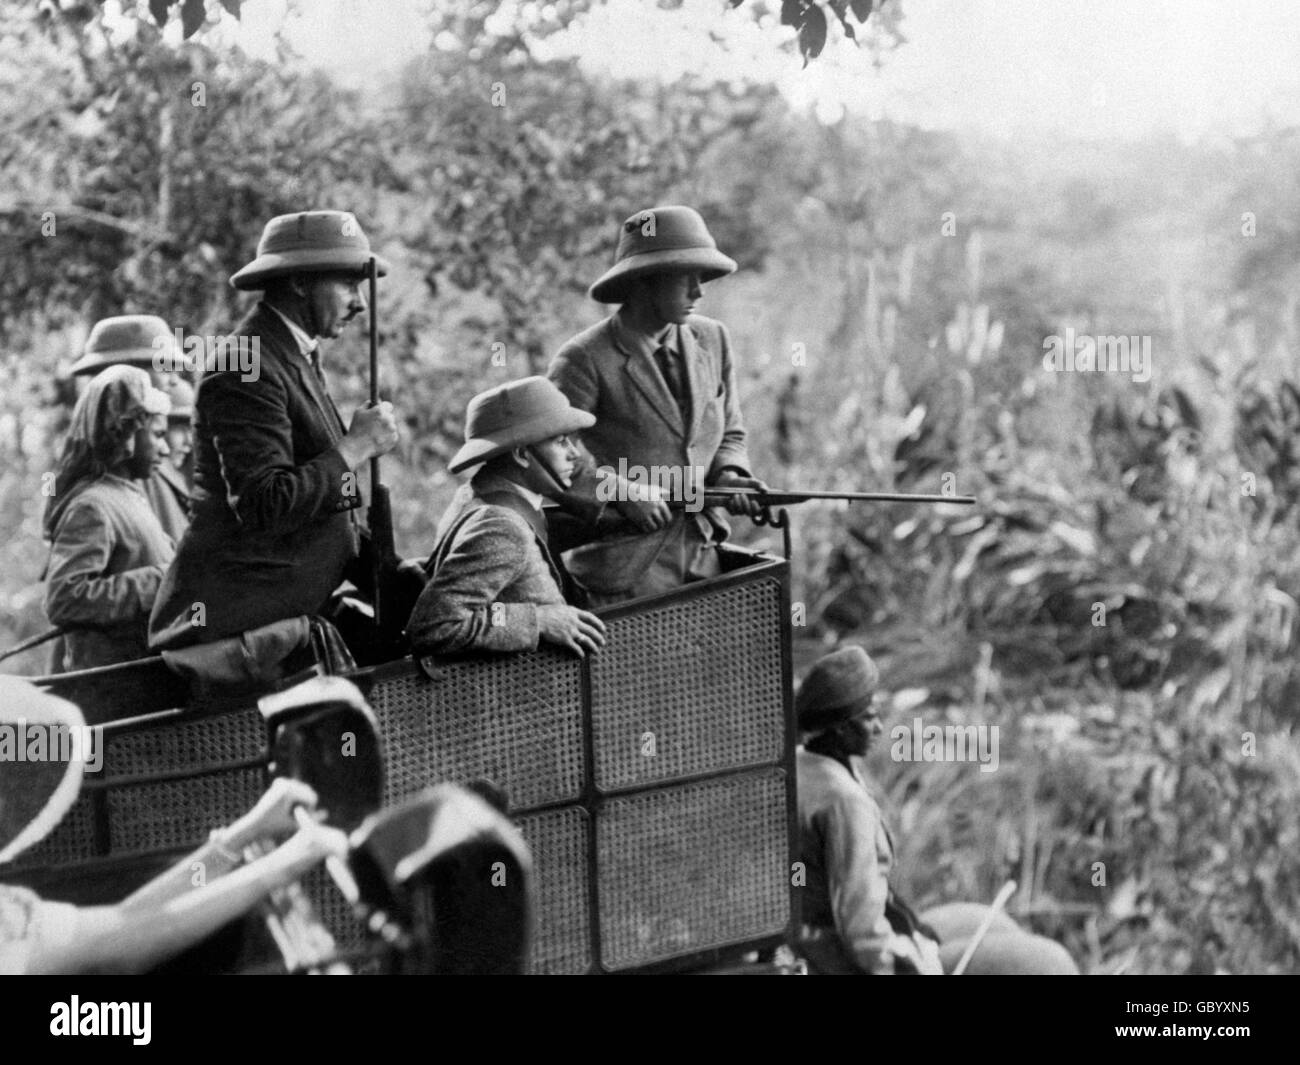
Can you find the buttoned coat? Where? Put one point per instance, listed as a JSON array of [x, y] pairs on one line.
[[489, 571], [271, 534], [108, 554], [638, 421]]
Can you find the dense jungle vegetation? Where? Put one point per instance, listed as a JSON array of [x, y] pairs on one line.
[[1122, 602]]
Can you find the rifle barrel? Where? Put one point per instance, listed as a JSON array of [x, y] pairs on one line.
[[376, 488], [32, 641], [776, 497], [372, 274]]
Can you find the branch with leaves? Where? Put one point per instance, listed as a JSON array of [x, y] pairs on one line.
[[811, 23], [811, 19], [193, 13]]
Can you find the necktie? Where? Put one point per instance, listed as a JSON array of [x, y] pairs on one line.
[[325, 400], [670, 366]]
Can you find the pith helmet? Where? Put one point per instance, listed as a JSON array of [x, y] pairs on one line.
[[310, 242], [35, 793], [659, 240], [181, 394], [127, 340], [516, 414], [838, 687]]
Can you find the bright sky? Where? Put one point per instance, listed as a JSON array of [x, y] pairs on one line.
[[1090, 67]]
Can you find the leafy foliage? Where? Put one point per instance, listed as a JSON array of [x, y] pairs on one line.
[[1123, 601], [808, 17]]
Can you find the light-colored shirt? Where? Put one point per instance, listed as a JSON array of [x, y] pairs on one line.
[[847, 855], [634, 342]]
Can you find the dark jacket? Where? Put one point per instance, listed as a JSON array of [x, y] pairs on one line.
[[271, 532], [107, 559], [489, 571]]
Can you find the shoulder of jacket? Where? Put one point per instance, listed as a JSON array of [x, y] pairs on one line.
[[269, 373], [98, 494], [95, 504], [264, 323], [267, 330], [483, 517], [593, 338], [836, 784], [704, 327]]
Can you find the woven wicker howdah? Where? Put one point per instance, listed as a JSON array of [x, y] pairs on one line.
[[653, 783]]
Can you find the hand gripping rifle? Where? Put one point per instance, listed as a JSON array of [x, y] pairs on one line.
[[772, 500], [392, 597]]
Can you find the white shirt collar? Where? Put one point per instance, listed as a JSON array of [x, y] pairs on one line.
[[637, 343], [533, 499], [305, 341]]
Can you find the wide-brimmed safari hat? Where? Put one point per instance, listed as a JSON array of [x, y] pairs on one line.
[[142, 340], [839, 687], [310, 242], [658, 240], [37, 786], [516, 414]]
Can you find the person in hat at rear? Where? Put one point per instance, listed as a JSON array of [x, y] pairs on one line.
[[494, 584], [661, 381], [180, 435], [272, 531], [854, 922], [169, 490], [108, 551], [147, 342], [165, 916]]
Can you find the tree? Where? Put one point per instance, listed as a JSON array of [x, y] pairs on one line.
[[134, 169], [811, 19]]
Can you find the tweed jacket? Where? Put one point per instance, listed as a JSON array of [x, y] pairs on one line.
[[271, 532], [847, 856], [107, 559], [638, 421], [489, 571]]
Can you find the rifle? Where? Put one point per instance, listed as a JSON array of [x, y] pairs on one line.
[[771, 498], [392, 607], [34, 641], [775, 497]]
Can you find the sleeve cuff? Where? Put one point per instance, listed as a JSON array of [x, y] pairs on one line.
[[342, 477]]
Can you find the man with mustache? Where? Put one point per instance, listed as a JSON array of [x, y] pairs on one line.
[[272, 531], [661, 381]]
